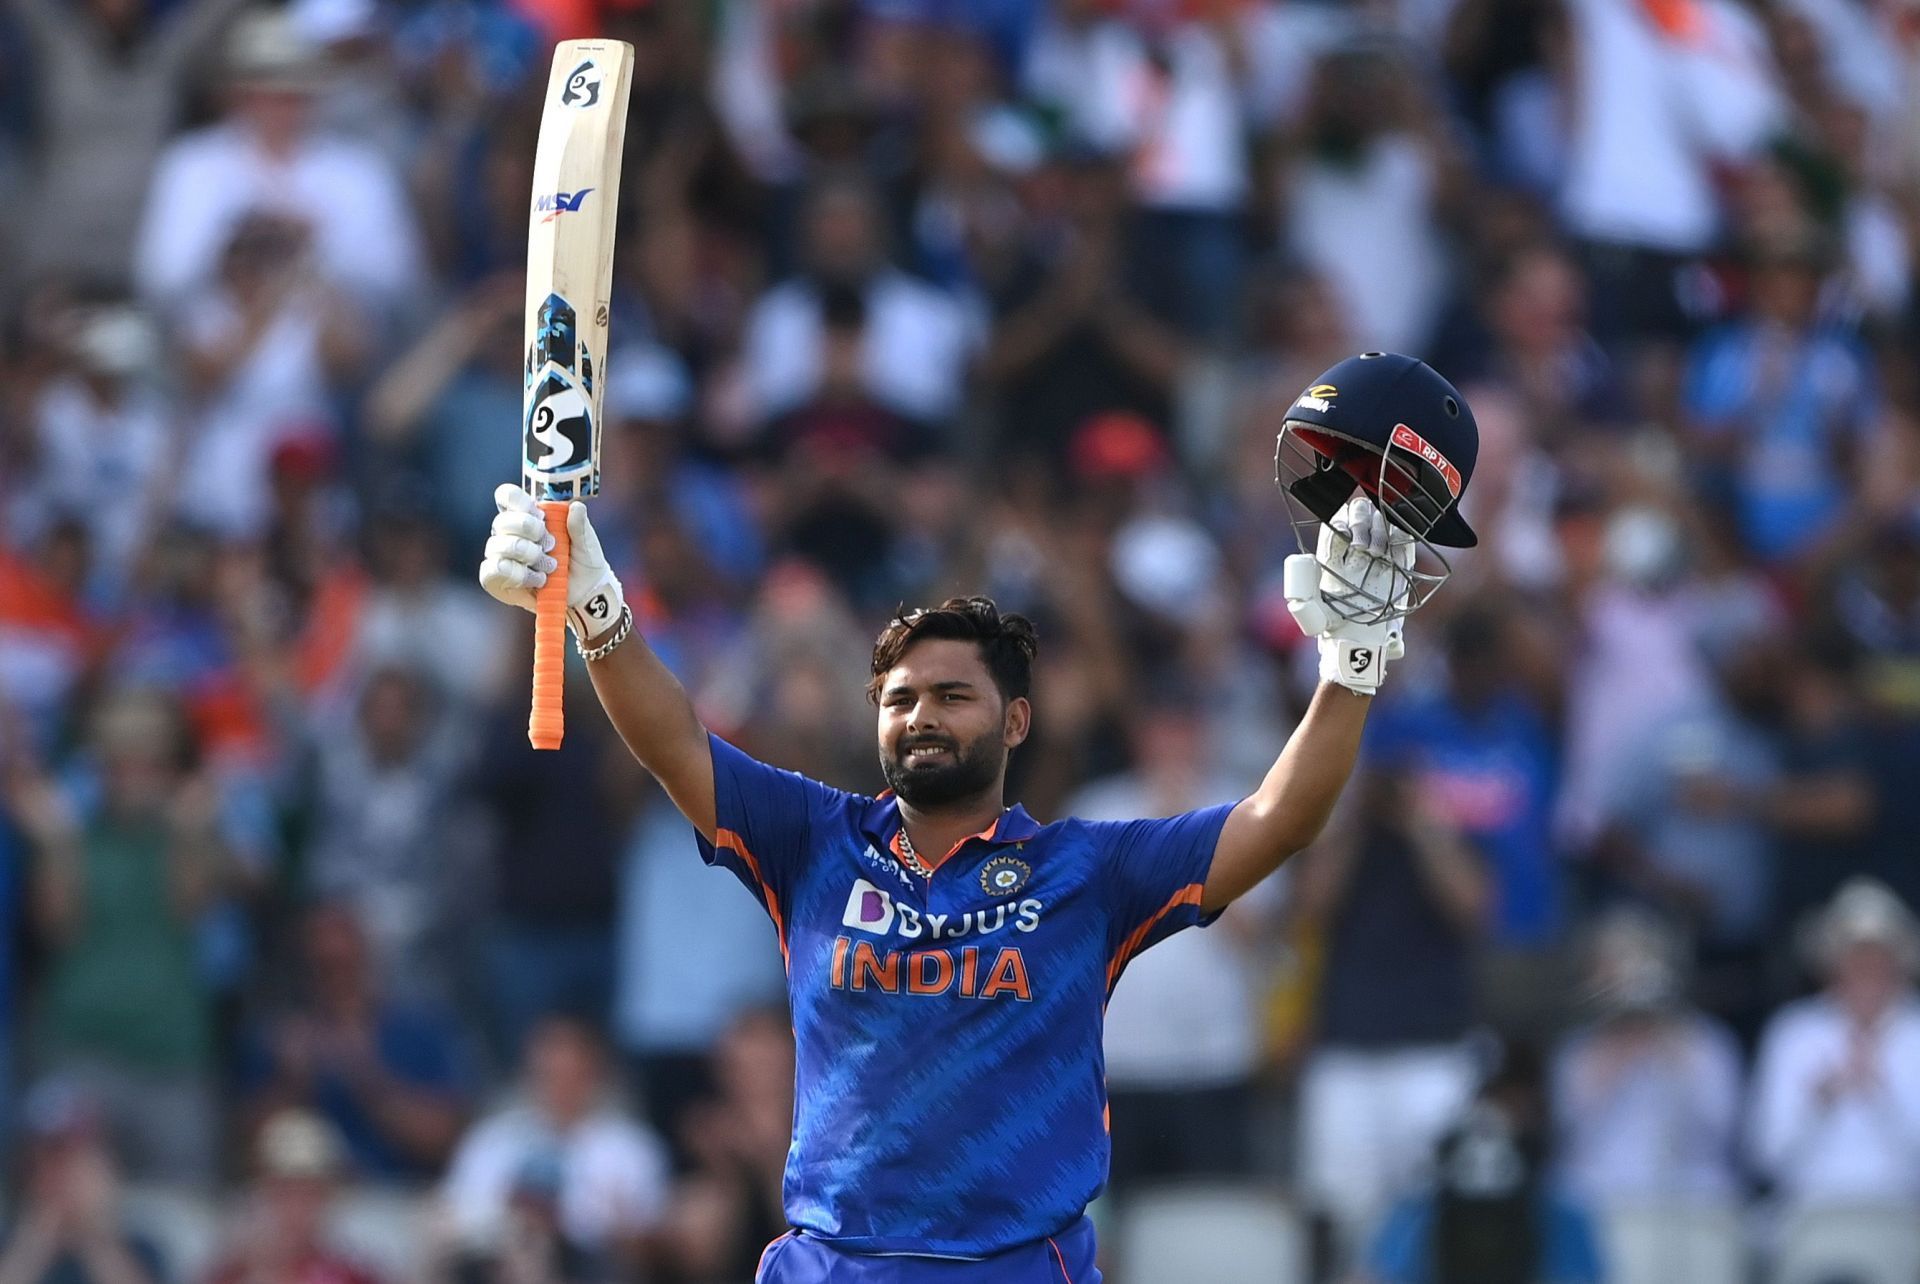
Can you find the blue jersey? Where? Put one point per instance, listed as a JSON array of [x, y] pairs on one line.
[[950, 1088]]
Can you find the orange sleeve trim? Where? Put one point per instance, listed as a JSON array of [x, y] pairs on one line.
[[1188, 895], [734, 843]]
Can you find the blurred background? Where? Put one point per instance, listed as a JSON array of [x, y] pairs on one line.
[[313, 972]]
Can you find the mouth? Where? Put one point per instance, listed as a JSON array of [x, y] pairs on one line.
[[926, 753]]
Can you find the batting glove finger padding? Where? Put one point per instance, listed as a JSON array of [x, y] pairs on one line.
[[515, 562], [1361, 556]]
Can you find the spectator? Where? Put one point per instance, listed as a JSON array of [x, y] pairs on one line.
[[432, 403], [69, 1228], [563, 1140], [730, 1207], [107, 448], [118, 889], [389, 1082], [111, 85], [1074, 334], [557, 820], [1492, 1215], [1836, 1101], [264, 159], [676, 996], [1646, 1096], [263, 346], [1162, 95], [1398, 902], [914, 346], [1478, 756], [298, 1163], [1182, 1037], [1782, 402], [392, 836], [1656, 100], [1688, 829], [1365, 199]]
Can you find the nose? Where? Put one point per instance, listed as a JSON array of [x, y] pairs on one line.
[[923, 717]]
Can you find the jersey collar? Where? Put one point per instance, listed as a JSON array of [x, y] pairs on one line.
[[1014, 825]]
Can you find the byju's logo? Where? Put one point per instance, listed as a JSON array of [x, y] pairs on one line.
[[869, 909]]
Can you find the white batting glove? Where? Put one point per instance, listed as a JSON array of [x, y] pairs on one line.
[[516, 563], [1351, 547]]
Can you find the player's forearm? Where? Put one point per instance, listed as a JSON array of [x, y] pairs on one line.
[[655, 717], [1293, 803]]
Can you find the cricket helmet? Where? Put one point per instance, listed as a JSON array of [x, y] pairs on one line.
[[1391, 428]]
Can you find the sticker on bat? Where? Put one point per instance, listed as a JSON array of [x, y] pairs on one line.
[[559, 427], [583, 85], [553, 205]]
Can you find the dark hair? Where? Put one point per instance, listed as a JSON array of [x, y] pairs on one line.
[[1007, 642]]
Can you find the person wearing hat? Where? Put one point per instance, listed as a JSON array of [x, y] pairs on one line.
[[265, 156], [1836, 1102], [1647, 1092], [298, 1161]]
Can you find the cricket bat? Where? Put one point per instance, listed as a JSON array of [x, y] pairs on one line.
[[576, 186]]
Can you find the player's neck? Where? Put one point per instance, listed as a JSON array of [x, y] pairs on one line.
[[934, 831]]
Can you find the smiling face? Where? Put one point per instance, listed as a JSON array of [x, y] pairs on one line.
[[945, 730]]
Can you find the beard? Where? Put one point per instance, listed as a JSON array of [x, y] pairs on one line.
[[966, 771]]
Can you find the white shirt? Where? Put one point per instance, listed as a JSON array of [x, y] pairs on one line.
[[1865, 1145], [1181, 126], [1368, 229], [1652, 113], [364, 237], [675, 990], [1659, 1124], [277, 391], [100, 463], [917, 343], [613, 1175]]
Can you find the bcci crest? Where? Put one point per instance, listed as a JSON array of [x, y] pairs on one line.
[[1004, 875]]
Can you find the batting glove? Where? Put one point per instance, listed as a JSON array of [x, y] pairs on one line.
[[516, 562], [1358, 548]]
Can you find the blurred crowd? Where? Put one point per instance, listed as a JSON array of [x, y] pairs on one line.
[[918, 297]]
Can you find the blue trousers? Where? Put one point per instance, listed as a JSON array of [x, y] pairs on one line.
[[800, 1258]]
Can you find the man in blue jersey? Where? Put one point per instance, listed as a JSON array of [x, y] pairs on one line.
[[948, 957]]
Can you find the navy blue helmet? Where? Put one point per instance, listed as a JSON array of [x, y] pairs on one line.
[[1390, 427]]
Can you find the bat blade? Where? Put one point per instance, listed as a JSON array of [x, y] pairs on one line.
[[570, 233]]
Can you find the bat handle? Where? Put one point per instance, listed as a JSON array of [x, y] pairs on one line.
[[547, 723]]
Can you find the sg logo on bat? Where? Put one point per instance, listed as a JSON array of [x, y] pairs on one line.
[[559, 428], [583, 85]]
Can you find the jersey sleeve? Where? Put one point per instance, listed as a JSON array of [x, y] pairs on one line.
[[763, 822], [1154, 871]]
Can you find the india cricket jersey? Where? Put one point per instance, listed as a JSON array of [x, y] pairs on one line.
[[951, 1092]]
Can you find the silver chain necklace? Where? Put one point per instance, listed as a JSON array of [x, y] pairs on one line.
[[914, 862]]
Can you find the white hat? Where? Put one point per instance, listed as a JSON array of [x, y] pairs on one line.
[[266, 47], [1864, 912], [299, 1143]]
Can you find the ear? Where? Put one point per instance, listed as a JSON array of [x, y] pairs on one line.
[[1018, 722]]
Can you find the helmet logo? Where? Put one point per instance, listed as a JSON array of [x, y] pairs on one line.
[[1319, 397], [1407, 439]]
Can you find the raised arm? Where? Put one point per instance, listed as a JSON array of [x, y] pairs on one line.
[[1292, 804], [645, 702]]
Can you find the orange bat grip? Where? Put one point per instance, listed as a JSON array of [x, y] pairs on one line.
[[547, 723]]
